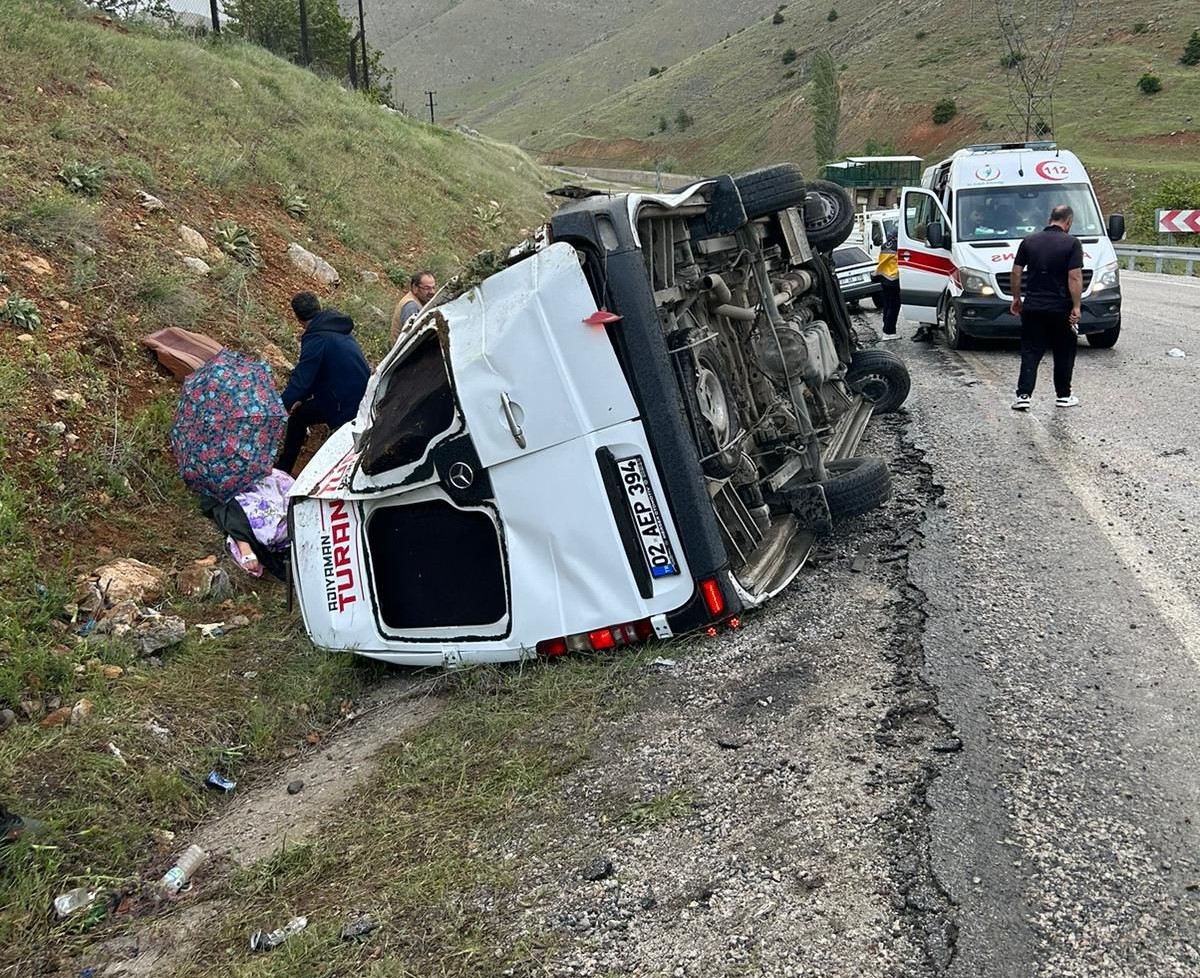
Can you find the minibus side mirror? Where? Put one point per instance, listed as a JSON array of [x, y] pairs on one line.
[[1116, 226], [937, 235]]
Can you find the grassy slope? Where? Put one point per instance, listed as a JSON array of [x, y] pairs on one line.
[[163, 115], [747, 111], [468, 49]]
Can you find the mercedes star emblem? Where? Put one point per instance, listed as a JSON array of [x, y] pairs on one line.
[[461, 475]]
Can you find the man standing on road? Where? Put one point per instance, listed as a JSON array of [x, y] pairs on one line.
[[887, 273], [422, 286], [1049, 311], [329, 379]]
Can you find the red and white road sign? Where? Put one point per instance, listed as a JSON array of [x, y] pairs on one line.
[[1178, 222]]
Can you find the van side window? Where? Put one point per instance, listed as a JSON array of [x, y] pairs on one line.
[[917, 216], [416, 408]]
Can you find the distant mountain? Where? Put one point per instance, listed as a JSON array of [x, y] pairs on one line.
[[476, 52], [573, 83]]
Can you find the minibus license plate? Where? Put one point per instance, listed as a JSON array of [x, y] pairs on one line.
[[646, 517]]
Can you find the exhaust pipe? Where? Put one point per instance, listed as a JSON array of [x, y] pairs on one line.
[[720, 300]]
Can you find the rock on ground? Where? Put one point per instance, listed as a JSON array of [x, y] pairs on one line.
[[312, 265]]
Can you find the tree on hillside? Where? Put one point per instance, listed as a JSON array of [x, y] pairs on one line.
[[1191, 52], [160, 9], [683, 120], [275, 25], [826, 106]]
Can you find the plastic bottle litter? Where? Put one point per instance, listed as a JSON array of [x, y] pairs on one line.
[[265, 942], [73, 900], [215, 780], [185, 866], [1176, 352]]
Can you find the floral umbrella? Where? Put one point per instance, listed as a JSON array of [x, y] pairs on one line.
[[227, 426]]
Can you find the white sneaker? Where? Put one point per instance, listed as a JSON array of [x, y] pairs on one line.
[[888, 337], [1069, 401], [1022, 402]]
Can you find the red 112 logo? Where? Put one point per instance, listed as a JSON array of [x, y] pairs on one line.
[[1052, 170]]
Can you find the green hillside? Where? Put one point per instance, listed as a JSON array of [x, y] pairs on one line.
[[897, 60], [95, 113]]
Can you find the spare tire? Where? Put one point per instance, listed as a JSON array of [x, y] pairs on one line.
[[771, 188], [828, 215], [705, 380], [856, 485], [882, 377]]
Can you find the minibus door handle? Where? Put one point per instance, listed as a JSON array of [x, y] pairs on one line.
[[513, 425]]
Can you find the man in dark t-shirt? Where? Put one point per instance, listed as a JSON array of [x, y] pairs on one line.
[[1047, 287]]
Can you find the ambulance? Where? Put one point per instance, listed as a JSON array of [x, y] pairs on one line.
[[959, 233]]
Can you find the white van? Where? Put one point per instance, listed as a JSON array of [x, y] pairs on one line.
[[959, 235], [638, 427], [871, 229]]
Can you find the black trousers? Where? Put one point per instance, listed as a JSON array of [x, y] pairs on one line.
[[1042, 331], [889, 303], [298, 423]]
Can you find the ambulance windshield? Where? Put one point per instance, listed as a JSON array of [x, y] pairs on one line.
[[1004, 213]]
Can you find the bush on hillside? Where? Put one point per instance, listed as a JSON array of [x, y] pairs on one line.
[[778, 18], [20, 312], [82, 178], [238, 243], [683, 120], [653, 71], [832, 15], [1191, 51], [1150, 84], [1011, 60], [663, 125], [944, 111], [293, 202], [921, 35], [788, 56], [1141, 27]]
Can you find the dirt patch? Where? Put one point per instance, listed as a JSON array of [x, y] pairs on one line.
[[1181, 139], [614, 151], [266, 817], [928, 139]]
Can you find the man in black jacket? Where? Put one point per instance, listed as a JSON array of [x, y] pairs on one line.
[[1048, 269], [330, 377]]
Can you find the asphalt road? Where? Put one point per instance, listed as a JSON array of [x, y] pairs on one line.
[[1063, 641]]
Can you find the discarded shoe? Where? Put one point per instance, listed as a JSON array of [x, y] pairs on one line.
[[13, 826]]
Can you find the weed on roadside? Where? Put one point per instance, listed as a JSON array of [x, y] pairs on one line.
[[438, 829]]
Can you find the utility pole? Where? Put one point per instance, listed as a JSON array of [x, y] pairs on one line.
[[216, 16], [432, 103], [362, 37], [354, 62], [305, 56]]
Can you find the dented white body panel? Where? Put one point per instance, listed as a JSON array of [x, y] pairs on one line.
[[539, 393]]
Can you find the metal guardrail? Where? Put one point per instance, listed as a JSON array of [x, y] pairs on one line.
[[1131, 253]]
